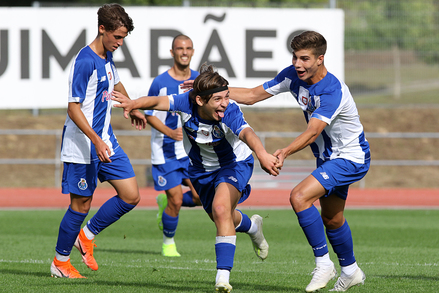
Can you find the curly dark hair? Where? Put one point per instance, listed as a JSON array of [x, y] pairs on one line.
[[113, 16], [208, 79]]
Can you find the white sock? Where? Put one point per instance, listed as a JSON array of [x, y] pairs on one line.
[[168, 240], [224, 273], [88, 233], [253, 228], [350, 269], [323, 260], [61, 257]]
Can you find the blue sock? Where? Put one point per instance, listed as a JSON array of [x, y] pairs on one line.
[[312, 225], [69, 230], [108, 213], [169, 225], [341, 241], [225, 253], [245, 224], [187, 199]]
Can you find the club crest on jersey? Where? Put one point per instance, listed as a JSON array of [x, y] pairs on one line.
[[305, 100], [311, 107], [217, 132], [82, 184], [162, 181]]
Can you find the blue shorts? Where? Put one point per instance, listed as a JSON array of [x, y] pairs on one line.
[[82, 179], [336, 175], [170, 174], [237, 174]]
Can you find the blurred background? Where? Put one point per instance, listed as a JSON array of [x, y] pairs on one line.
[[391, 65]]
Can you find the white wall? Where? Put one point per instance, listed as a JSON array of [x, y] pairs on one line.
[[37, 46]]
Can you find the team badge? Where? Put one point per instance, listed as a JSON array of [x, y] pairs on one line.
[[305, 100], [162, 181], [82, 184], [217, 132]]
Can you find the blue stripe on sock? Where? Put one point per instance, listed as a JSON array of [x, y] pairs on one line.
[[108, 213], [169, 225], [187, 199], [312, 225], [225, 253], [69, 230], [341, 241], [245, 224]]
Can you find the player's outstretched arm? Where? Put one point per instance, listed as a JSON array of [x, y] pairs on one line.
[[268, 162], [315, 127], [137, 118], [248, 96], [145, 103], [175, 134]]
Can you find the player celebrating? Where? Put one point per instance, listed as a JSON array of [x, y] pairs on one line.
[[337, 140], [90, 150], [219, 143], [169, 160]]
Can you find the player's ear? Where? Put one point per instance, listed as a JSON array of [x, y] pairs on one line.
[[320, 59], [199, 101]]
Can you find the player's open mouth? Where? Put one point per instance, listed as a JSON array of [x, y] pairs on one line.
[[220, 114], [300, 73]]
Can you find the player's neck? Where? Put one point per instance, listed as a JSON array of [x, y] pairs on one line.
[[180, 72], [320, 74], [98, 48]]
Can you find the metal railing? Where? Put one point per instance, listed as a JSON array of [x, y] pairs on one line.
[[293, 169]]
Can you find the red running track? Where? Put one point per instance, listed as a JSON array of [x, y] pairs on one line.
[[11, 198]]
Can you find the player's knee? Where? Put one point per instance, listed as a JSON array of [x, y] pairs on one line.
[[297, 200]]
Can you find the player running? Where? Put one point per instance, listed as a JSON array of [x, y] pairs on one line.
[[219, 143]]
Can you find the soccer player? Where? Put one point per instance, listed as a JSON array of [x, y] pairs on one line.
[[337, 140], [219, 143], [90, 150], [169, 160]]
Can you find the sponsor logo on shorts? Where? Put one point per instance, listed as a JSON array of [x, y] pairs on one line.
[[162, 181], [82, 184], [324, 175], [233, 179], [205, 133]]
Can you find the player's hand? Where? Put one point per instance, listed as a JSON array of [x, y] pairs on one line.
[[103, 151], [124, 101], [176, 134], [269, 163], [280, 155], [187, 85], [138, 119]]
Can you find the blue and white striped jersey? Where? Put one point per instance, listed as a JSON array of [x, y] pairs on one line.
[[163, 147], [211, 145], [330, 101], [91, 82]]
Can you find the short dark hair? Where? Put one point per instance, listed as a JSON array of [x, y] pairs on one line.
[[179, 37], [113, 16], [309, 40], [208, 79]]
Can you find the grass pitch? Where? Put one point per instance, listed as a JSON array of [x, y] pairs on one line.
[[397, 249]]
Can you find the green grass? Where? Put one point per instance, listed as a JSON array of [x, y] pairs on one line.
[[397, 249]]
